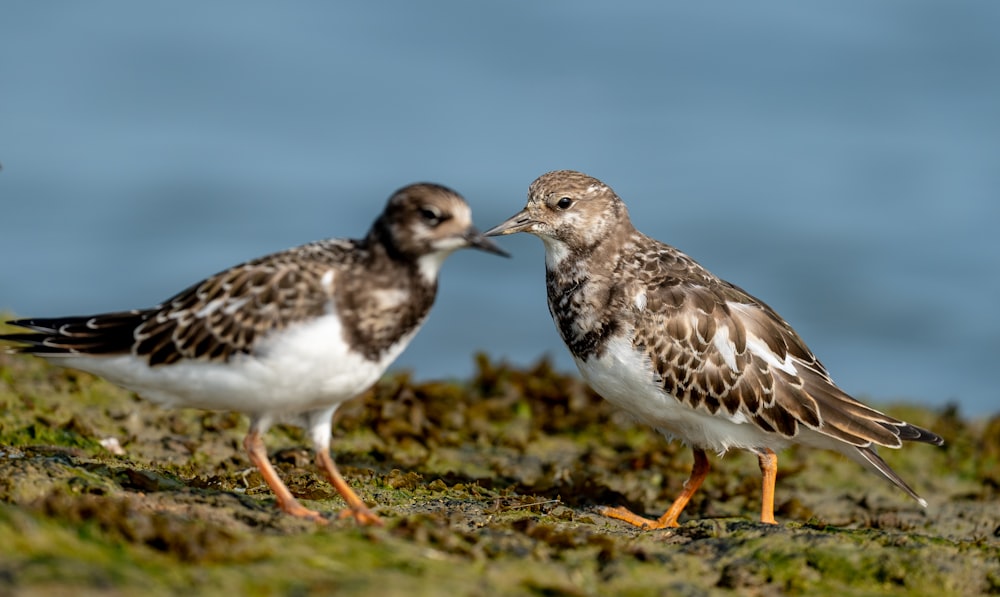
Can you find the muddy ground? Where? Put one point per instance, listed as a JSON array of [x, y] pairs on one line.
[[488, 486]]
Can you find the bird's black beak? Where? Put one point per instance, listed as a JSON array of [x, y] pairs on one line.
[[478, 240]]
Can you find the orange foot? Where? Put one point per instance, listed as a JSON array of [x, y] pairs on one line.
[[362, 516], [669, 519], [296, 509], [622, 513]]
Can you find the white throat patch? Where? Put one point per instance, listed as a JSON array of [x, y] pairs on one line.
[[555, 251]]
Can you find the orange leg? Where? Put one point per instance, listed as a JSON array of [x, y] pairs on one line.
[[769, 472], [356, 507], [698, 473], [254, 446]]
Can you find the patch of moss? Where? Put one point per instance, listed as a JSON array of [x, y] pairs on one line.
[[488, 486]]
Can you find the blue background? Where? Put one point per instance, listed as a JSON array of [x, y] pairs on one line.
[[840, 160]]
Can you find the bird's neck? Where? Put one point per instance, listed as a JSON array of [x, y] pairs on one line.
[[389, 303], [581, 286]]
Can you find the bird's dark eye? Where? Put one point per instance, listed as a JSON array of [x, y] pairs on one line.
[[564, 203], [431, 215]]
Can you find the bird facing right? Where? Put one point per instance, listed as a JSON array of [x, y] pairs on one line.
[[684, 351], [286, 337]]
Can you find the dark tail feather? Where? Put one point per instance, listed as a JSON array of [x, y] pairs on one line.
[[111, 333], [912, 433], [868, 455]]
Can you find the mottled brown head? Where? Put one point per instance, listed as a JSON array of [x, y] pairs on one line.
[[569, 211], [426, 222]]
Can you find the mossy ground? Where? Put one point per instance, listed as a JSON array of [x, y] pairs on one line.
[[488, 487]]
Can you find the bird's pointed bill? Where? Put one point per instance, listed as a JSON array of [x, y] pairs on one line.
[[519, 222], [478, 240]]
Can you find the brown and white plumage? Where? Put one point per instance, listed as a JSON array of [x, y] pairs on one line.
[[289, 336], [694, 356]]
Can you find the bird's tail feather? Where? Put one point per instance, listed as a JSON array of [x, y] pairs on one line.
[[875, 462]]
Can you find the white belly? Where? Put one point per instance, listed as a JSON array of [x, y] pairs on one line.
[[305, 367], [625, 378]]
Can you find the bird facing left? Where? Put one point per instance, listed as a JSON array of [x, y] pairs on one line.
[[287, 337]]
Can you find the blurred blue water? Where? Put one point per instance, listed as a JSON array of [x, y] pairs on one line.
[[840, 160]]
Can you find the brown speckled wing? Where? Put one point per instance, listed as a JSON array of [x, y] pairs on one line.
[[211, 321], [228, 312], [686, 308]]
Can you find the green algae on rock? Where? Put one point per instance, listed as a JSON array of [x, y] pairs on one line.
[[489, 486]]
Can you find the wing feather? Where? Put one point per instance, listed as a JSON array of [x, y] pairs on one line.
[[212, 320], [716, 347], [227, 313]]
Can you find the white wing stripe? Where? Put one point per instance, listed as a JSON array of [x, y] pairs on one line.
[[725, 347], [759, 348]]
